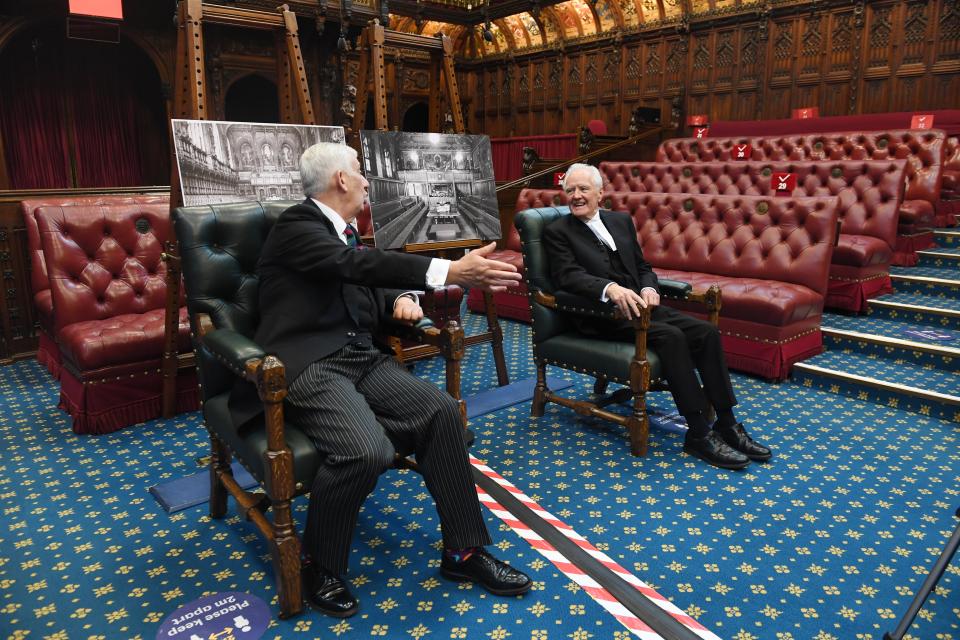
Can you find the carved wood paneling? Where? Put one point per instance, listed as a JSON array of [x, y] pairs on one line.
[[843, 57]]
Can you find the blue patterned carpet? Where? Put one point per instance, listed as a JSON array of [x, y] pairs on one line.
[[828, 541]]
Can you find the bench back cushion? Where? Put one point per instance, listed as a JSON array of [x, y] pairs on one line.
[[870, 191], [782, 239], [923, 150], [104, 261], [28, 209]]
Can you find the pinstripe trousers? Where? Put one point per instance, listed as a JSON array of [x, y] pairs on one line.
[[359, 405]]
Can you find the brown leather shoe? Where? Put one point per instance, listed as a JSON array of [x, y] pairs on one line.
[[494, 575], [328, 593]]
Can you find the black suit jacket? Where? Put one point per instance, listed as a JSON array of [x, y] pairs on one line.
[[579, 262], [309, 283]]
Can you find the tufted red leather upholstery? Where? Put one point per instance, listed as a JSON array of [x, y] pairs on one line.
[[771, 257], [922, 149], [39, 281], [869, 192], [48, 352], [785, 240], [949, 205], [108, 286]]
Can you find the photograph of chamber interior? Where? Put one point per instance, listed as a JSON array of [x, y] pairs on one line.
[[222, 162], [429, 187]]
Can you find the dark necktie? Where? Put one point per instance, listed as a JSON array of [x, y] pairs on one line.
[[351, 235]]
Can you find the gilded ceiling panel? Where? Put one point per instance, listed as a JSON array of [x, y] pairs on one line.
[[608, 14]]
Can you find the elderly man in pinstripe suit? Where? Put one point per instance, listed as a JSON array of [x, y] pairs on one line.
[[320, 300]]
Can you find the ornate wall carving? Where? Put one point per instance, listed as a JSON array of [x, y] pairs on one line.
[[757, 60]]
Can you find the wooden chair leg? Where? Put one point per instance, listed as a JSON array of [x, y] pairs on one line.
[[219, 463], [639, 425], [540, 391], [493, 326], [285, 553]]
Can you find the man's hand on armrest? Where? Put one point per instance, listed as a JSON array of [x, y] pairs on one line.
[[406, 309], [629, 301], [476, 270]]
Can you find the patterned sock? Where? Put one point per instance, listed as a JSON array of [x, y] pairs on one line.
[[460, 555]]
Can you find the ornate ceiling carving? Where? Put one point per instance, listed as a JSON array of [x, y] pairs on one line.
[[551, 24]]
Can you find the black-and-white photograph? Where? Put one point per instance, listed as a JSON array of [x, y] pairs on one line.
[[429, 187], [241, 161]]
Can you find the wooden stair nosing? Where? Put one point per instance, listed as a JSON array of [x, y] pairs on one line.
[[901, 343], [914, 308], [876, 383]]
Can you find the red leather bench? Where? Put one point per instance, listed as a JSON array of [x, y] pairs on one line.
[[946, 119], [771, 257], [922, 148], [869, 191], [48, 353], [108, 286], [513, 303], [949, 206]]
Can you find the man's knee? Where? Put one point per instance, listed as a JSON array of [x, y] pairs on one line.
[[370, 461]]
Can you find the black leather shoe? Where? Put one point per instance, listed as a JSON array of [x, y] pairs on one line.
[[494, 575], [714, 450], [736, 436], [328, 593]]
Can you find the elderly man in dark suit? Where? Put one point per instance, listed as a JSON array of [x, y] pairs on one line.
[[320, 300], [595, 254]]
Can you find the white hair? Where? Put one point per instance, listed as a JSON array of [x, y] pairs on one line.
[[595, 176], [320, 162]]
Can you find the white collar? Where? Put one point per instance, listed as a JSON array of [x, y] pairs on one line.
[[339, 224]]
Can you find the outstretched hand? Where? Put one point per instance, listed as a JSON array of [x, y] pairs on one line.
[[476, 270]]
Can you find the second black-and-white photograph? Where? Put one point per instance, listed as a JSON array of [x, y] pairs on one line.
[[223, 162], [429, 187]]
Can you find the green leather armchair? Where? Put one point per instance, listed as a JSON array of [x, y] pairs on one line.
[[219, 246], [557, 342]]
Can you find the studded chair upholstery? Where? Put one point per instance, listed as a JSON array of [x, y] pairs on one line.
[[220, 246], [558, 343]]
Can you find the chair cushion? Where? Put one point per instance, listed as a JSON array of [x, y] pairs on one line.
[[572, 350], [123, 339], [861, 251], [250, 443], [760, 301]]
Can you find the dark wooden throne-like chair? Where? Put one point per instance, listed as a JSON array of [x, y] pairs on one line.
[[219, 249], [558, 343]]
